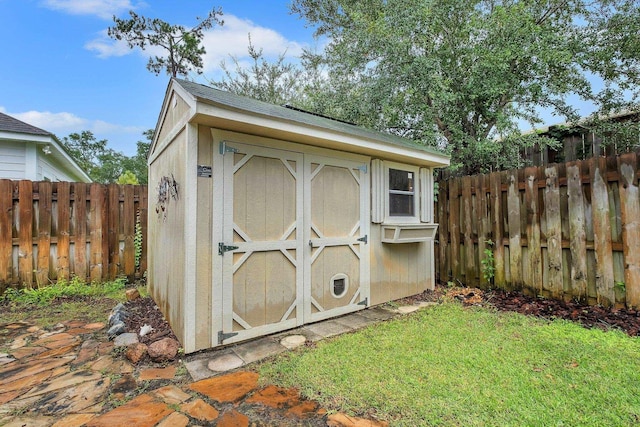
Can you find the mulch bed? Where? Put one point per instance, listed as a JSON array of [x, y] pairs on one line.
[[143, 311]]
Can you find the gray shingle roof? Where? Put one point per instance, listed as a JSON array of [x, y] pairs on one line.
[[10, 124], [210, 95]]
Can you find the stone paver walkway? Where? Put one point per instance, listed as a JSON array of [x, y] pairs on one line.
[[72, 376]]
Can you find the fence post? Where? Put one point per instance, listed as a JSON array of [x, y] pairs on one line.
[[630, 213]]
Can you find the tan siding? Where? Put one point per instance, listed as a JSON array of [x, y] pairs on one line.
[[173, 115], [397, 270], [204, 245], [167, 236]]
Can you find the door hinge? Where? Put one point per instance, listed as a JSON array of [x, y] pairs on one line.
[[222, 248], [363, 168], [224, 148], [222, 336], [364, 239], [364, 302]]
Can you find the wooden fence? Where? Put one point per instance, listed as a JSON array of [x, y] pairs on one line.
[[565, 230], [60, 230]]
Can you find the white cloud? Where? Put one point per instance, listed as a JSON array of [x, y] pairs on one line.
[[107, 47], [233, 38], [221, 41], [64, 123], [104, 9]]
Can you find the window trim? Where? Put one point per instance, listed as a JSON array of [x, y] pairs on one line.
[[417, 194]]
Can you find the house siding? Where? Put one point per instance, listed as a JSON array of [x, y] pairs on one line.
[[12, 160]]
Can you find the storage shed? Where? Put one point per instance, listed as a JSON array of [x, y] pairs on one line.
[[267, 217]]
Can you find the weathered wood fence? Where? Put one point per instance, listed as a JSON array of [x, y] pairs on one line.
[[60, 230], [564, 230]]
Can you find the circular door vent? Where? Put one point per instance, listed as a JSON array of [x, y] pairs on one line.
[[339, 285]]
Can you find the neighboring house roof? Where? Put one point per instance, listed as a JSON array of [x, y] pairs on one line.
[[10, 124], [341, 134], [14, 130]]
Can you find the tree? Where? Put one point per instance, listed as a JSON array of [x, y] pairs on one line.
[[461, 74], [127, 177], [182, 46], [277, 83], [105, 165]]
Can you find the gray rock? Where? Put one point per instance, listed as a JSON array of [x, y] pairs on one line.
[[116, 330], [118, 314], [125, 339]]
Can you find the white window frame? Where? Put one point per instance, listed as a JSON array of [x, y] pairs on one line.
[[398, 219], [423, 194]]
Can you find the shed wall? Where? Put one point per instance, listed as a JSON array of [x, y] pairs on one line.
[[204, 243], [176, 110], [399, 270], [167, 234]]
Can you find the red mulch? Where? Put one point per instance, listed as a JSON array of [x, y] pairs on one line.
[[144, 311]]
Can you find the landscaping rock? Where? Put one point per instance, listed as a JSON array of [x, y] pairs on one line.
[[136, 352], [164, 350], [132, 294], [116, 330], [126, 339], [118, 315]]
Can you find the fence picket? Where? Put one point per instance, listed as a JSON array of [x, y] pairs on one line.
[[467, 229], [554, 231], [63, 231], [44, 233], [454, 228], [25, 232], [630, 213], [497, 221], [513, 220], [6, 233], [602, 232]]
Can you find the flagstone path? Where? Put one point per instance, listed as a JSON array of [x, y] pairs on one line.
[[72, 376]]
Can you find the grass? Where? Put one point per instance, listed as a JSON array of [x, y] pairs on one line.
[[451, 366], [62, 301]]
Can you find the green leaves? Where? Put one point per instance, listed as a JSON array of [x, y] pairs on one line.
[[463, 73], [184, 52]]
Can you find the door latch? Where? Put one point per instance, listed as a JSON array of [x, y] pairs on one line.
[[222, 248]]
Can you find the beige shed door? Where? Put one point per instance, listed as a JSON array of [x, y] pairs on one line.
[[262, 266], [295, 231], [337, 227]]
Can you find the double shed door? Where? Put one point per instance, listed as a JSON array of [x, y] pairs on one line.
[[295, 240]]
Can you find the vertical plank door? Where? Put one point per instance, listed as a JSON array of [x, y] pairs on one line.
[[336, 223], [262, 248]]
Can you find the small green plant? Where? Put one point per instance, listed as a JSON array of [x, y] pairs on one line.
[[620, 286], [488, 262], [44, 295]]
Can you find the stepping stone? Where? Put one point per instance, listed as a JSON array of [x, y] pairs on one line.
[[94, 326], [342, 420], [30, 422], [227, 388], [73, 420], [109, 365], [225, 362], [293, 341], [74, 399], [306, 409], [66, 381], [406, 309], [275, 397], [55, 340], [200, 410], [424, 304], [355, 321], [377, 313], [328, 328], [176, 419], [16, 370], [158, 373], [143, 411], [233, 418], [171, 395], [6, 359]]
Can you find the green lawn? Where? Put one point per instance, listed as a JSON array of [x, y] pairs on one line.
[[453, 366]]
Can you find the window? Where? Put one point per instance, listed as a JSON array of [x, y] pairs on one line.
[[402, 194]]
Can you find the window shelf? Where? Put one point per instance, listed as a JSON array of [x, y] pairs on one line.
[[409, 233]]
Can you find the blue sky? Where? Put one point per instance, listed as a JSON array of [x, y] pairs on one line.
[[59, 71]]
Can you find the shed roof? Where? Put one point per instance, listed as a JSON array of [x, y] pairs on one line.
[[209, 95]]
